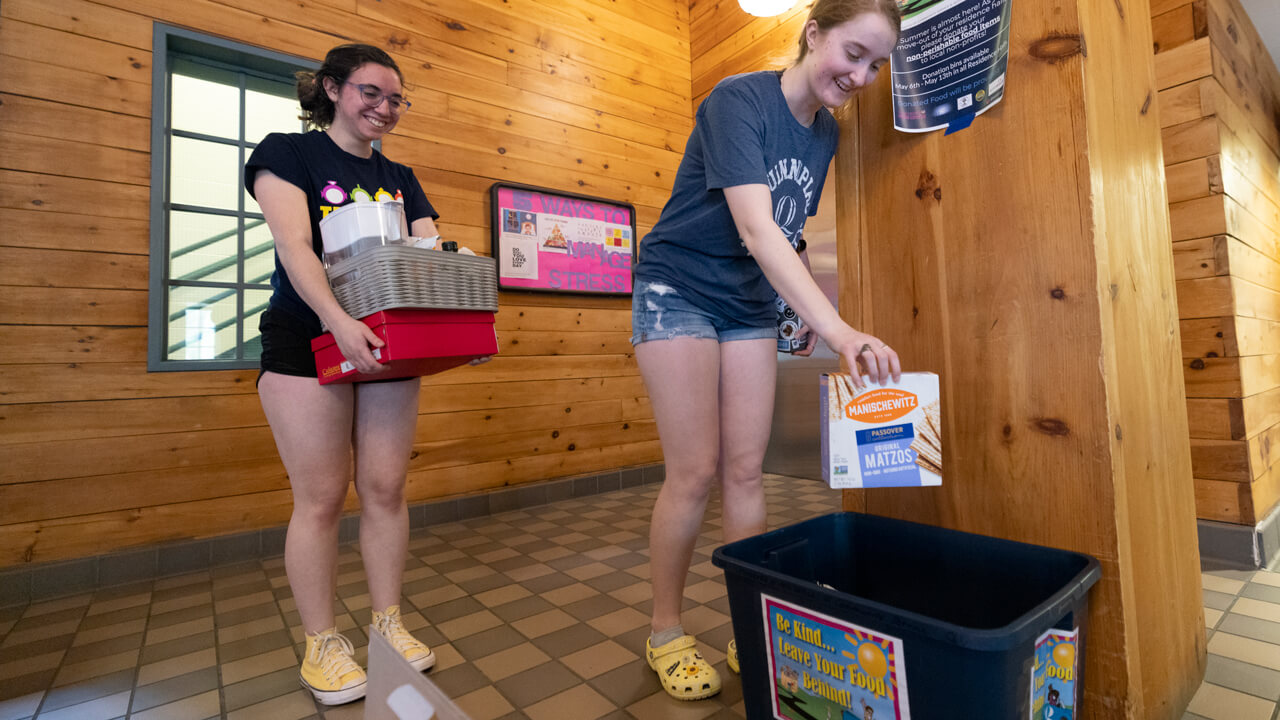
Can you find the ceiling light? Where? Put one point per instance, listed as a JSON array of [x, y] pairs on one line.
[[766, 8]]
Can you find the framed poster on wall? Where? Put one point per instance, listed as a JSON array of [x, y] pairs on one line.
[[553, 241]]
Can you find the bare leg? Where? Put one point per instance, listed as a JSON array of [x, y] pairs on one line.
[[681, 376], [311, 424], [748, 370], [386, 416]]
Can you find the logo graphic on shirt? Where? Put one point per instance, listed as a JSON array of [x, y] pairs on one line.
[[335, 196], [791, 185]]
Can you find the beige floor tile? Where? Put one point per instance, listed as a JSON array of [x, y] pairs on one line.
[[1221, 584], [175, 666], [279, 581], [495, 555], [443, 557], [41, 632], [1245, 649], [588, 571], [20, 707], [483, 704], [436, 596], [1257, 609], [418, 573], [1265, 577], [468, 625], [567, 539], [293, 706], [243, 601], [447, 656], [562, 596], [104, 708], [107, 632], [701, 619], [598, 659], [606, 552], [544, 623], [197, 706], [511, 661], [182, 603], [640, 571], [357, 602], [251, 667], [619, 621], [471, 573], [347, 578], [528, 572], [239, 579], [119, 603], [96, 667], [179, 630], [52, 606], [705, 591], [502, 595], [577, 703], [1211, 617], [253, 628], [553, 553], [1219, 703], [706, 570], [620, 536], [634, 593]]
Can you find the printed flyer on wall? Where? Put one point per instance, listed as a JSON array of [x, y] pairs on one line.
[[549, 240], [1053, 677], [949, 65], [822, 667]]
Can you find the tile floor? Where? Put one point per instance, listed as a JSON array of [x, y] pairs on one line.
[[538, 613]]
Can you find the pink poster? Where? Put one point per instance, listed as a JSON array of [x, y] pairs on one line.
[[548, 240]]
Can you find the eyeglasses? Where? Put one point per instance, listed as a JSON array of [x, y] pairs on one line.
[[373, 96]]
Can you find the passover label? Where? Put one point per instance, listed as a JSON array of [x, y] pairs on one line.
[[886, 457], [823, 667]]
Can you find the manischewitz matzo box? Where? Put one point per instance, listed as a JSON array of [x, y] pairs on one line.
[[881, 436]]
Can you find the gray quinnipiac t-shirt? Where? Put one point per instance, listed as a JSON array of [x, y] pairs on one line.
[[743, 134]]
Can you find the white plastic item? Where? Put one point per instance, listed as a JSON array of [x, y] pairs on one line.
[[361, 225], [466, 251], [425, 242]]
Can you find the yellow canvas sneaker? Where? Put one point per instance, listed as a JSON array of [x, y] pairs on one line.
[[389, 625], [329, 671]]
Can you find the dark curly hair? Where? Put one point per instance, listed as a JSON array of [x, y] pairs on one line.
[[339, 63], [830, 13]]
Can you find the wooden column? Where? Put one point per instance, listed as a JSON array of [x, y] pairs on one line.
[[1027, 260]]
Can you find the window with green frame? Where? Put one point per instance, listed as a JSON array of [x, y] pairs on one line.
[[211, 251]]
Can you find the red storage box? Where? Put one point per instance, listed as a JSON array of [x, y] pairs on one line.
[[418, 342]]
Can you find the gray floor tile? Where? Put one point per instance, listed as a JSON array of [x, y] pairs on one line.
[[174, 689], [1242, 676]]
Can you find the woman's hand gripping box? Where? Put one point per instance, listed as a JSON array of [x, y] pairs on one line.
[[888, 436]]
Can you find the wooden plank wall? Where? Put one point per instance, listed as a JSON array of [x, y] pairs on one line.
[[96, 454], [1219, 106]]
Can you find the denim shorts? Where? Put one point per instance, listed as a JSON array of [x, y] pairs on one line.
[[659, 313]]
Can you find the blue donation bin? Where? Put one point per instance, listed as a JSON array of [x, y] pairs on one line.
[[858, 617]]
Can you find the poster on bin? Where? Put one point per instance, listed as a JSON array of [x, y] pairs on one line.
[[822, 667], [949, 64], [553, 241], [1053, 676]]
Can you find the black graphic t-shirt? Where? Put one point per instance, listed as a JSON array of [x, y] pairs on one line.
[[331, 177], [744, 134]]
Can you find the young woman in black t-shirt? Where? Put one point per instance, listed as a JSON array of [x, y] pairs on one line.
[[324, 431]]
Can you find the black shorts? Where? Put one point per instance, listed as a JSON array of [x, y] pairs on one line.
[[286, 343]]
